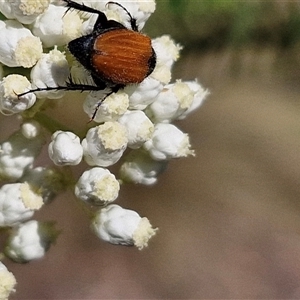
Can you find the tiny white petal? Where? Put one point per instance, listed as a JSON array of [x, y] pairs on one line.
[[7, 282], [120, 226], [10, 87], [139, 128], [168, 142], [140, 168], [105, 144], [97, 186], [30, 241], [65, 148]]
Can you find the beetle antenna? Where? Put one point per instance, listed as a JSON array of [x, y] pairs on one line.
[[132, 20]]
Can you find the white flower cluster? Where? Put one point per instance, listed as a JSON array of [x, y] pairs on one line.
[[134, 124]]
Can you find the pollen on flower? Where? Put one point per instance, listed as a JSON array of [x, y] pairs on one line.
[[107, 189], [184, 94], [113, 135], [14, 84], [28, 51], [33, 7], [7, 283], [31, 199], [72, 26], [184, 148], [143, 233]]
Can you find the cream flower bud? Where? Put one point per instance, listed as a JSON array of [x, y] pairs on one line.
[[166, 49], [140, 168], [97, 186], [168, 142], [50, 71], [31, 129], [7, 282], [110, 109], [144, 94], [172, 102], [167, 53], [25, 11], [54, 27], [120, 226], [18, 202], [139, 128], [104, 144], [65, 148], [18, 47], [17, 154], [199, 97], [30, 241], [10, 86]]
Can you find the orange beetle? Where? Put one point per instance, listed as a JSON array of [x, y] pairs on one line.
[[114, 55]]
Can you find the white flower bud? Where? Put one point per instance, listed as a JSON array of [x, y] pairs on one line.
[[140, 168], [168, 142], [140, 10], [7, 282], [50, 71], [120, 226], [97, 186], [200, 96], [110, 109], [18, 47], [18, 202], [17, 154], [10, 86], [172, 102], [104, 144], [31, 129], [48, 181], [167, 53], [65, 148], [55, 27], [24, 11], [144, 94], [139, 128], [166, 49], [30, 241]]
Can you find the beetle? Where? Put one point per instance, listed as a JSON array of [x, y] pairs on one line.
[[114, 55]]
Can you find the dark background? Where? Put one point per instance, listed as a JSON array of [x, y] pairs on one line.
[[229, 218]]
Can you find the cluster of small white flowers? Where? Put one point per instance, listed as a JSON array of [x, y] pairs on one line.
[[134, 122]]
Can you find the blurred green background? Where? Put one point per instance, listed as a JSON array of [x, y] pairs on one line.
[[215, 24]]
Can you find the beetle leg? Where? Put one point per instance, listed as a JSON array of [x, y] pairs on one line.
[[101, 20], [69, 87]]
